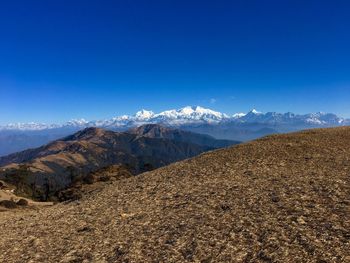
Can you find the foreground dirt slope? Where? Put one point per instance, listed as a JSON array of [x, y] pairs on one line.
[[283, 198]]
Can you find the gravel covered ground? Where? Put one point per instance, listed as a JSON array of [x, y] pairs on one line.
[[284, 198]]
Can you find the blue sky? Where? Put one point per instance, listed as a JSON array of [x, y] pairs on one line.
[[96, 59]]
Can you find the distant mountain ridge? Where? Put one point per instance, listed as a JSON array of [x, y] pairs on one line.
[[236, 127], [190, 115], [91, 149], [157, 131]]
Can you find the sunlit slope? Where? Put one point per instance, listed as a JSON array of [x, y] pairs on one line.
[[284, 198]]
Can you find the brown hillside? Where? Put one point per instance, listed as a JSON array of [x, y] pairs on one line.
[[55, 166], [284, 198], [157, 131]]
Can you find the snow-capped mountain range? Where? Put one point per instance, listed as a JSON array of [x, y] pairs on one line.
[[191, 116]]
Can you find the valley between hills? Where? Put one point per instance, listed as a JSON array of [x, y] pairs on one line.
[[282, 198]]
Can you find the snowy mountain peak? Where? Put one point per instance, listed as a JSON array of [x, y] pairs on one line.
[[254, 111], [190, 115], [77, 122], [121, 118], [198, 110], [144, 114], [238, 115], [188, 110]]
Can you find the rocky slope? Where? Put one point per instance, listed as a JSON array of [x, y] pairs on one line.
[[284, 198]]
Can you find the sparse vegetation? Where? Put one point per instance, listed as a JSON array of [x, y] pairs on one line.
[[22, 202], [19, 178], [43, 172], [283, 198], [10, 204], [90, 182]]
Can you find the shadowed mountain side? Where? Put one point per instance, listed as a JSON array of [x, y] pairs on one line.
[[57, 163], [157, 131], [283, 198], [240, 132]]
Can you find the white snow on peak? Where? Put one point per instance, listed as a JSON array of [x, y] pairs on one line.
[[314, 121], [78, 122], [190, 114], [121, 118], [186, 116], [188, 110], [27, 126], [144, 115], [238, 115], [254, 111], [200, 111]]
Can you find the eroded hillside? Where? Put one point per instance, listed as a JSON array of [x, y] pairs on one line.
[[284, 198], [41, 172]]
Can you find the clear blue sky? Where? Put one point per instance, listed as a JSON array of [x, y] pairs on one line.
[[63, 59]]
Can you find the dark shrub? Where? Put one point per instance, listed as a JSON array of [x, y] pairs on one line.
[[104, 178], [69, 195], [89, 179], [8, 204], [22, 202]]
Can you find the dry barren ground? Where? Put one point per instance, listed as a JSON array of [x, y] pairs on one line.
[[283, 198]]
